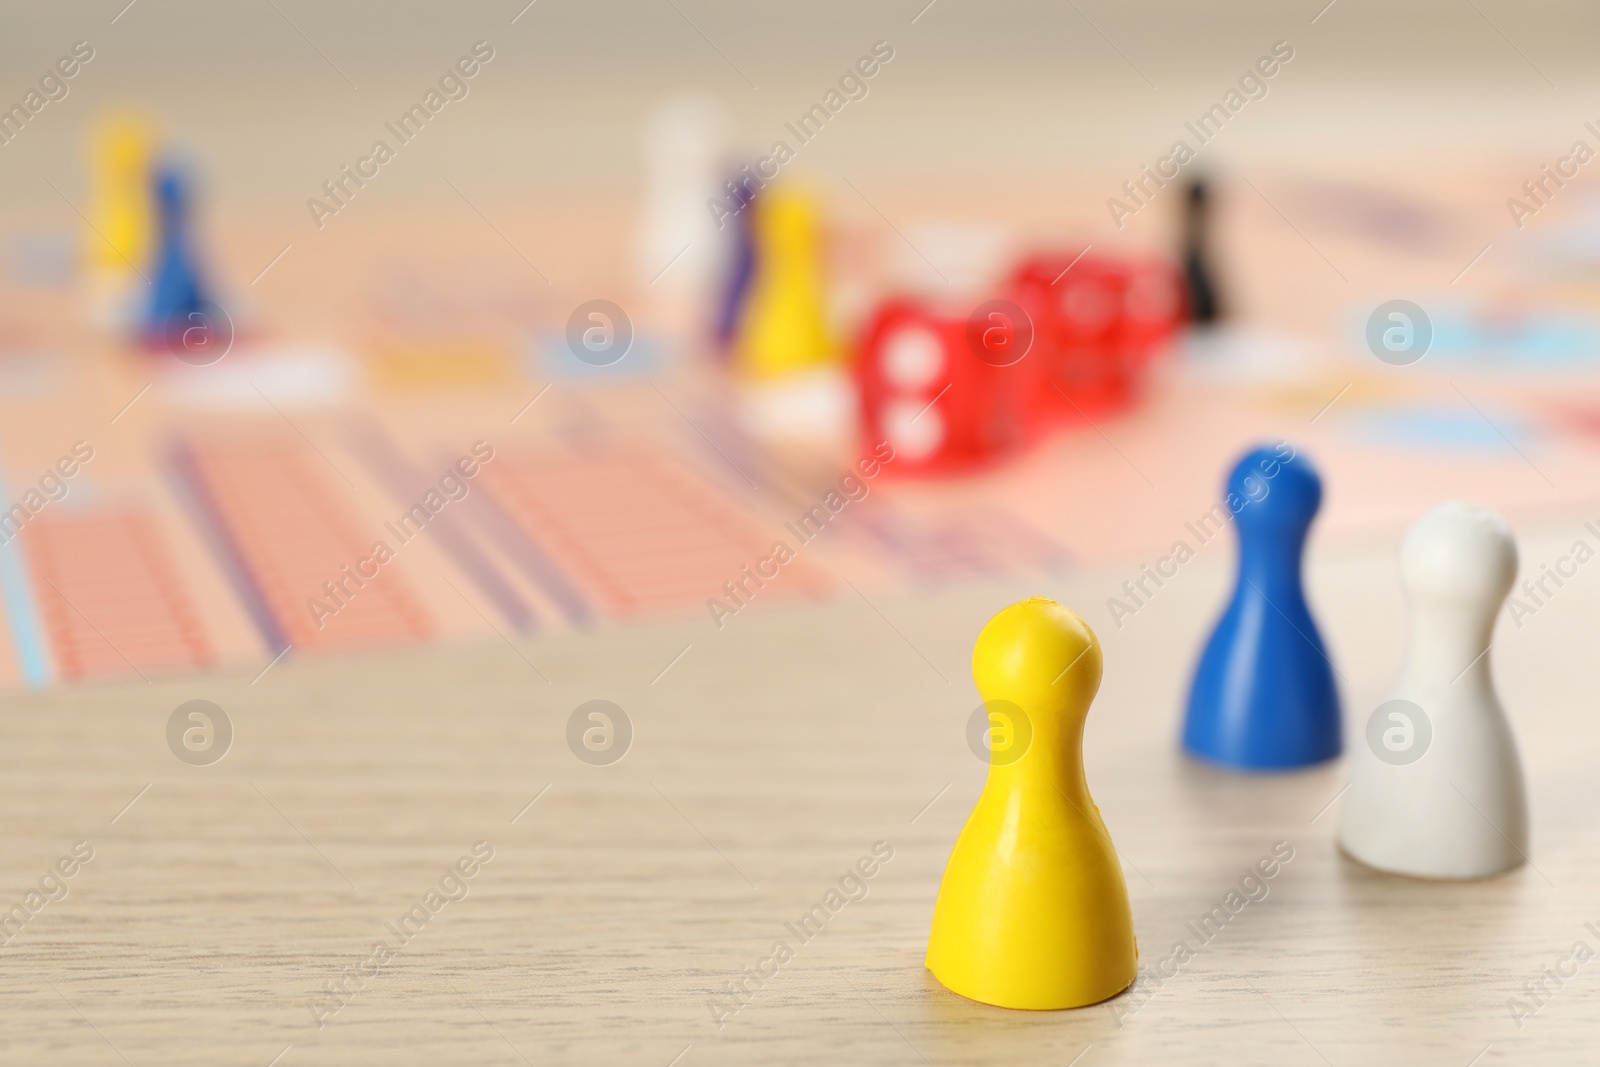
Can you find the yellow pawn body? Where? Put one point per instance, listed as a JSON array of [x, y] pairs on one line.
[[783, 327], [121, 202], [1033, 911]]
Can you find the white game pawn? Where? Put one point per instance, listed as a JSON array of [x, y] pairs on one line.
[[683, 159], [1436, 789]]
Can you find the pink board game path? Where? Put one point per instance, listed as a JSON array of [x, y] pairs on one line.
[[637, 532], [282, 532], [110, 597]]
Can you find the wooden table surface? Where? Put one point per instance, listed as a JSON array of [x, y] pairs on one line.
[[221, 901]]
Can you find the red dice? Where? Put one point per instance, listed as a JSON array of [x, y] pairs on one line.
[[1098, 322], [1067, 339], [948, 390]]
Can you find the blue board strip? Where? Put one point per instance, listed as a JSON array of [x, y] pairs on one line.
[[409, 486], [213, 526], [22, 610]]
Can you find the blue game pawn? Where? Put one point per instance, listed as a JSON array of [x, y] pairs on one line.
[[741, 271], [177, 293], [1263, 697]]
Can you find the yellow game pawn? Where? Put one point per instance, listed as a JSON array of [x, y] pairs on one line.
[[782, 328], [1033, 911], [122, 209]]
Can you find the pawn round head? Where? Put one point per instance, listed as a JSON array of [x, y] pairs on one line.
[[125, 146], [1274, 487], [1037, 655], [1460, 553], [172, 191], [788, 220]]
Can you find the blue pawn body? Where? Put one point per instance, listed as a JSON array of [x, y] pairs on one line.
[[742, 267], [176, 290], [1263, 696]]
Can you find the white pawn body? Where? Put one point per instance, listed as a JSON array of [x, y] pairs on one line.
[[1458, 809]]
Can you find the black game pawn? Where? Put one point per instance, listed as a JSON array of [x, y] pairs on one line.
[[1205, 305]]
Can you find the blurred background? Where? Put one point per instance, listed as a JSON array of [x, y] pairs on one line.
[[979, 257]]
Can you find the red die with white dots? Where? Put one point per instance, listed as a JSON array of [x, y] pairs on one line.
[[925, 389], [1098, 322]]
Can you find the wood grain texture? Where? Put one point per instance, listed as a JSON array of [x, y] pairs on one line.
[[770, 757]]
